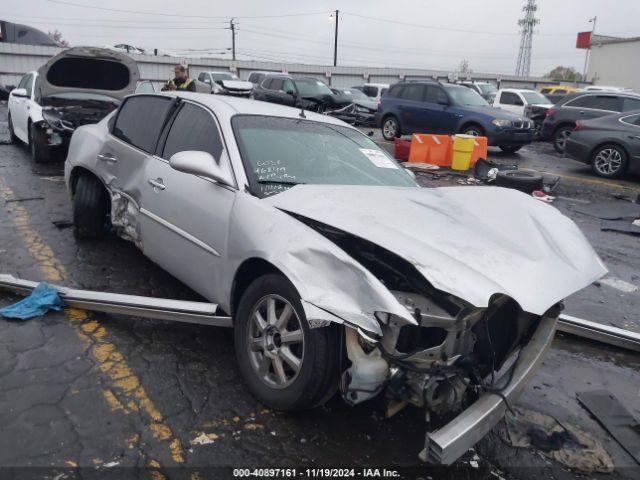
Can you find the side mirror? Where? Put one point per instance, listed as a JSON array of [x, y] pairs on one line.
[[201, 164], [20, 92], [290, 91]]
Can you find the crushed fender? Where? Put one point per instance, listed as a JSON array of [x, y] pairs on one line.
[[43, 298]]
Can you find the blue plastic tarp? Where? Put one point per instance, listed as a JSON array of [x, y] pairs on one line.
[[43, 298]]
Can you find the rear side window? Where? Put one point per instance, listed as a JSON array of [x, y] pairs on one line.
[[630, 104], [193, 129], [510, 98], [276, 84], [88, 73], [599, 102], [632, 120], [370, 91], [413, 92], [561, 92], [140, 120]]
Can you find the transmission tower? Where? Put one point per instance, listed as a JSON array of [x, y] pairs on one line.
[[526, 24]]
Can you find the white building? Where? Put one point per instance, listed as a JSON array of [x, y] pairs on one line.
[[615, 62]]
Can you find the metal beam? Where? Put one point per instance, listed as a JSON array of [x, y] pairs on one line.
[[601, 333], [138, 306]]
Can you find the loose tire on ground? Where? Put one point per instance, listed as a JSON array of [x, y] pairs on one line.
[[521, 180], [255, 335], [90, 208]]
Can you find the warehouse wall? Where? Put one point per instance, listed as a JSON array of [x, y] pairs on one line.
[[615, 64], [16, 60]]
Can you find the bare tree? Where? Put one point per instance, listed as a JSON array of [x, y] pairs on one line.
[[464, 68], [57, 37]]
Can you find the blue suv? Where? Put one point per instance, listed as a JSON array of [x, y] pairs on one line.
[[432, 107]]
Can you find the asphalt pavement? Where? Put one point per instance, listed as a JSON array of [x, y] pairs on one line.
[[114, 393]]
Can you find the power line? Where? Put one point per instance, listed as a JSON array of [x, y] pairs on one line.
[[136, 27], [63, 2]]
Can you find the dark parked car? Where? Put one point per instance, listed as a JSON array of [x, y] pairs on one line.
[[562, 118], [610, 144], [432, 107], [303, 92], [362, 110]]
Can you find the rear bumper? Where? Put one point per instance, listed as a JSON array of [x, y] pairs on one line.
[[446, 445]]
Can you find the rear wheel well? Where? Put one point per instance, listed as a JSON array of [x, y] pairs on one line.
[[562, 125], [247, 272]]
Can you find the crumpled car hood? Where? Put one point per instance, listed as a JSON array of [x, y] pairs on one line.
[[472, 242]]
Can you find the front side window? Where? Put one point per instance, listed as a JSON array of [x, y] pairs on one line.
[[464, 97], [510, 98], [281, 152], [140, 120], [487, 88], [276, 84], [559, 92], [24, 80], [311, 88], [535, 98], [435, 94], [193, 129], [370, 91]]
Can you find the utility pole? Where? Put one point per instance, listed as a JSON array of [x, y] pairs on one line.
[[588, 52], [526, 40], [233, 39], [335, 41]]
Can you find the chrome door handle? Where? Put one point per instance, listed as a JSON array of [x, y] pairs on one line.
[[107, 158], [157, 183]]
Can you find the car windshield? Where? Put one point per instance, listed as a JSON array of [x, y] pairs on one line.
[[487, 88], [465, 97], [222, 76], [279, 153], [311, 88], [535, 98], [355, 94]]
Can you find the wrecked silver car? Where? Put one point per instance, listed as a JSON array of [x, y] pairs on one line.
[[336, 270]]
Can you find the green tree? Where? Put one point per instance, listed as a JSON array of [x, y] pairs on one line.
[[568, 74]]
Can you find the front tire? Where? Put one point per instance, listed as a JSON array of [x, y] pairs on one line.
[[560, 137], [12, 134], [390, 128], [609, 161], [90, 208], [286, 365], [473, 130], [39, 153]]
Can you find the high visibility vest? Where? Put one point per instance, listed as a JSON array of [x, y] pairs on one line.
[[183, 85]]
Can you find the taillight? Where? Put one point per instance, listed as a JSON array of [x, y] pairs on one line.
[[551, 112], [579, 126]]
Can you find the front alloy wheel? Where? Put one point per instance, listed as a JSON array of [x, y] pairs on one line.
[[286, 364], [276, 341], [609, 161], [390, 128]]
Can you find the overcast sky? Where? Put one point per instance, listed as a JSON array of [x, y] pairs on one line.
[[444, 32]]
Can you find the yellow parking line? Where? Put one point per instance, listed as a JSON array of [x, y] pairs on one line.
[[126, 392], [595, 181]]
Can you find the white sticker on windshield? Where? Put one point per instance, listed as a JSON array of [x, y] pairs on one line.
[[378, 158]]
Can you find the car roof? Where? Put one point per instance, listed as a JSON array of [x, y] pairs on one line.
[[518, 90], [227, 106]]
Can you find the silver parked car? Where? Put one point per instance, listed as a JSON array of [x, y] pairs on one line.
[[338, 270]]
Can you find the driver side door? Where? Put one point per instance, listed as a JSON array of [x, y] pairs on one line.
[[184, 217]]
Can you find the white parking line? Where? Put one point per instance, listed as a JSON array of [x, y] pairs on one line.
[[620, 284]]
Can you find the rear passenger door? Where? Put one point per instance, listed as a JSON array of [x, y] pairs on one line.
[[131, 142], [414, 113], [185, 218]]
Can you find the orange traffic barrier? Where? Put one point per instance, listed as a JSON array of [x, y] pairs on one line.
[[433, 149], [479, 150]]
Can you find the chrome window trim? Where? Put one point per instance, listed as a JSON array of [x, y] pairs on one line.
[[622, 120], [187, 236]]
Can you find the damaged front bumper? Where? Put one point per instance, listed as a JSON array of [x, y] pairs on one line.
[[447, 444]]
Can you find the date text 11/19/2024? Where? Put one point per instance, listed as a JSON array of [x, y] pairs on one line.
[[315, 473]]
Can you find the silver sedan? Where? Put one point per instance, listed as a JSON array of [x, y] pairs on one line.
[[336, 270]]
